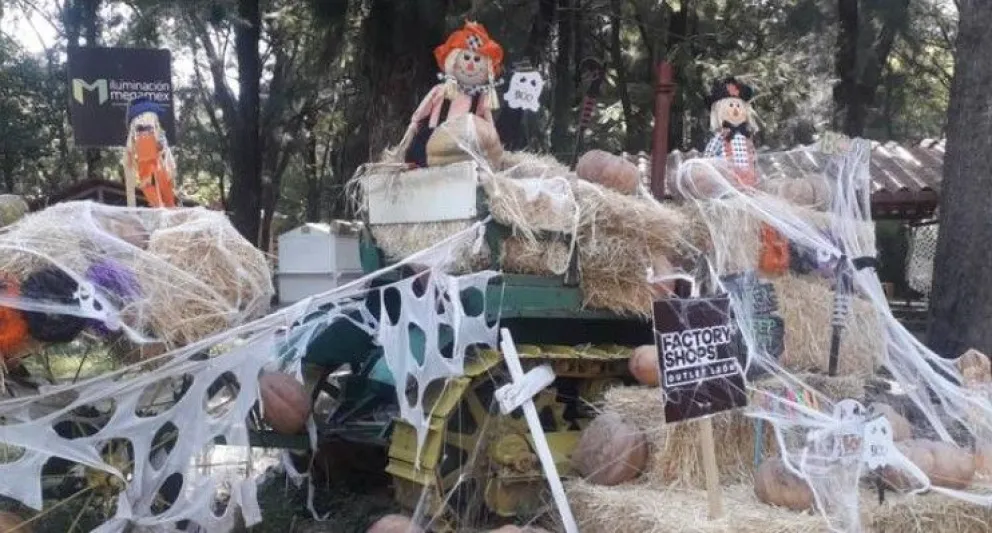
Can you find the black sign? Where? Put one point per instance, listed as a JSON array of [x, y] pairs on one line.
[[103, 81], [700, 367], [761, 301]]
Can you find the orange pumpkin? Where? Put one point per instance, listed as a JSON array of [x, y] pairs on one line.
[[608, 170], [644, 365], [11, 522], [943, 462], [394, 523], [285, 404], [610, 451], [975, 368], [443, 146], [806, 192], [774, 484]]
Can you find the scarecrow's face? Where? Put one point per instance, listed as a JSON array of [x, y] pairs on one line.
[[145, 123], [471, 68], [734, 111]]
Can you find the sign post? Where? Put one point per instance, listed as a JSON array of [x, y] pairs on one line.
[[520, 393], [701, 374]]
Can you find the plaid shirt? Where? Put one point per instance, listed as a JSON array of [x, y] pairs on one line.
[[739, 145]]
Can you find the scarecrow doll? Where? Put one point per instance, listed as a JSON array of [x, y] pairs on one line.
[[470, 61], [730, 120], [730, 113], [148, 162]]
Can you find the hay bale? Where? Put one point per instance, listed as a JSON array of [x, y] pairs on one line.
[[541, 258], [532, 205], [674, 457], [515, 165], [619, 238], [651, 508], [399, 241], [806, 307], [929, 513], [730, 233], [835, 388], [216, 279]]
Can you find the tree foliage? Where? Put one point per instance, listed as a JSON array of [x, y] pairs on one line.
[[280, 101]]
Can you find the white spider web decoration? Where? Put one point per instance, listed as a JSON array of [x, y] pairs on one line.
[[210, 389], [811, 440]]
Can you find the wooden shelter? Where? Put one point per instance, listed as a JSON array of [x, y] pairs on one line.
[[905, 178], [98, 190]]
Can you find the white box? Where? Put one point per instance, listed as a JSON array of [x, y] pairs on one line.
[[319, 249], [433, 194], [294, 287]]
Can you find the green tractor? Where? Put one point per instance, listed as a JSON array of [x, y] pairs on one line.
[[475, 459]]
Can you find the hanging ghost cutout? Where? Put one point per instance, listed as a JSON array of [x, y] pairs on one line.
[[525, 90]]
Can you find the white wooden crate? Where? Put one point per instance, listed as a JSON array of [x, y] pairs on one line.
[[434, 194]]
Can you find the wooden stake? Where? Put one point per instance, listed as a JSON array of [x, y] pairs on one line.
[[714, 492]]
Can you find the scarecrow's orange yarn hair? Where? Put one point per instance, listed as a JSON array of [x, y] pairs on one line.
[[459, 40], [13, 328]]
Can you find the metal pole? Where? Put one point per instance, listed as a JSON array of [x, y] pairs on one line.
[[663, 93]]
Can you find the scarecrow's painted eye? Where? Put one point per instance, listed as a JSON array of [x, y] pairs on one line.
[[467, 57], [533, 83], [476, 58]]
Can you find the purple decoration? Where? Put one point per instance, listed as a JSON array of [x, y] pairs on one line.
[[114, 280]]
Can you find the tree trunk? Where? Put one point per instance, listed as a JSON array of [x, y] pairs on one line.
[[618, 63], [246, 180], [961, 302], [562, 113], [849, 115], [90, 22], [511, 123], [313, 174], [398, 40]]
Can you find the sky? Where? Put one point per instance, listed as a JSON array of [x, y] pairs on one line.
[[33, 32]]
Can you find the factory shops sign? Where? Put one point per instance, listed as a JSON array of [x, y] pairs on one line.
[[698, 348]]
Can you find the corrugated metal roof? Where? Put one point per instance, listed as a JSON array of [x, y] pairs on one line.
[[905, 179]]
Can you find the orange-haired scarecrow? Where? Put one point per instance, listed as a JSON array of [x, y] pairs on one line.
[[148, 162], [470, 61]]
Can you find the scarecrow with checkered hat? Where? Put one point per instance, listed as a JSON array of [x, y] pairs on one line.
[[730, 120], [470, 61]]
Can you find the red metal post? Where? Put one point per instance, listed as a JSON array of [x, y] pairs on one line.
[[664, 91]]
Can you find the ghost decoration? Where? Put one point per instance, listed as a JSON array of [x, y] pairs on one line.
[[848, 410], [525, 90], [878, 444]]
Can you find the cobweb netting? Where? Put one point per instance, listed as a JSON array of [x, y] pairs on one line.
[[132, 440], [921, 253], [825, 295]]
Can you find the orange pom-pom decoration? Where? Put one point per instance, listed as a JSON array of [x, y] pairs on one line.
[[13, 328]]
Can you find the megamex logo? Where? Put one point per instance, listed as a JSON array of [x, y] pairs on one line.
[[120, 92], [100, 86]]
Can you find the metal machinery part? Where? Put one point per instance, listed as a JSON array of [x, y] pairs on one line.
[[475, 455], [476, 460]]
